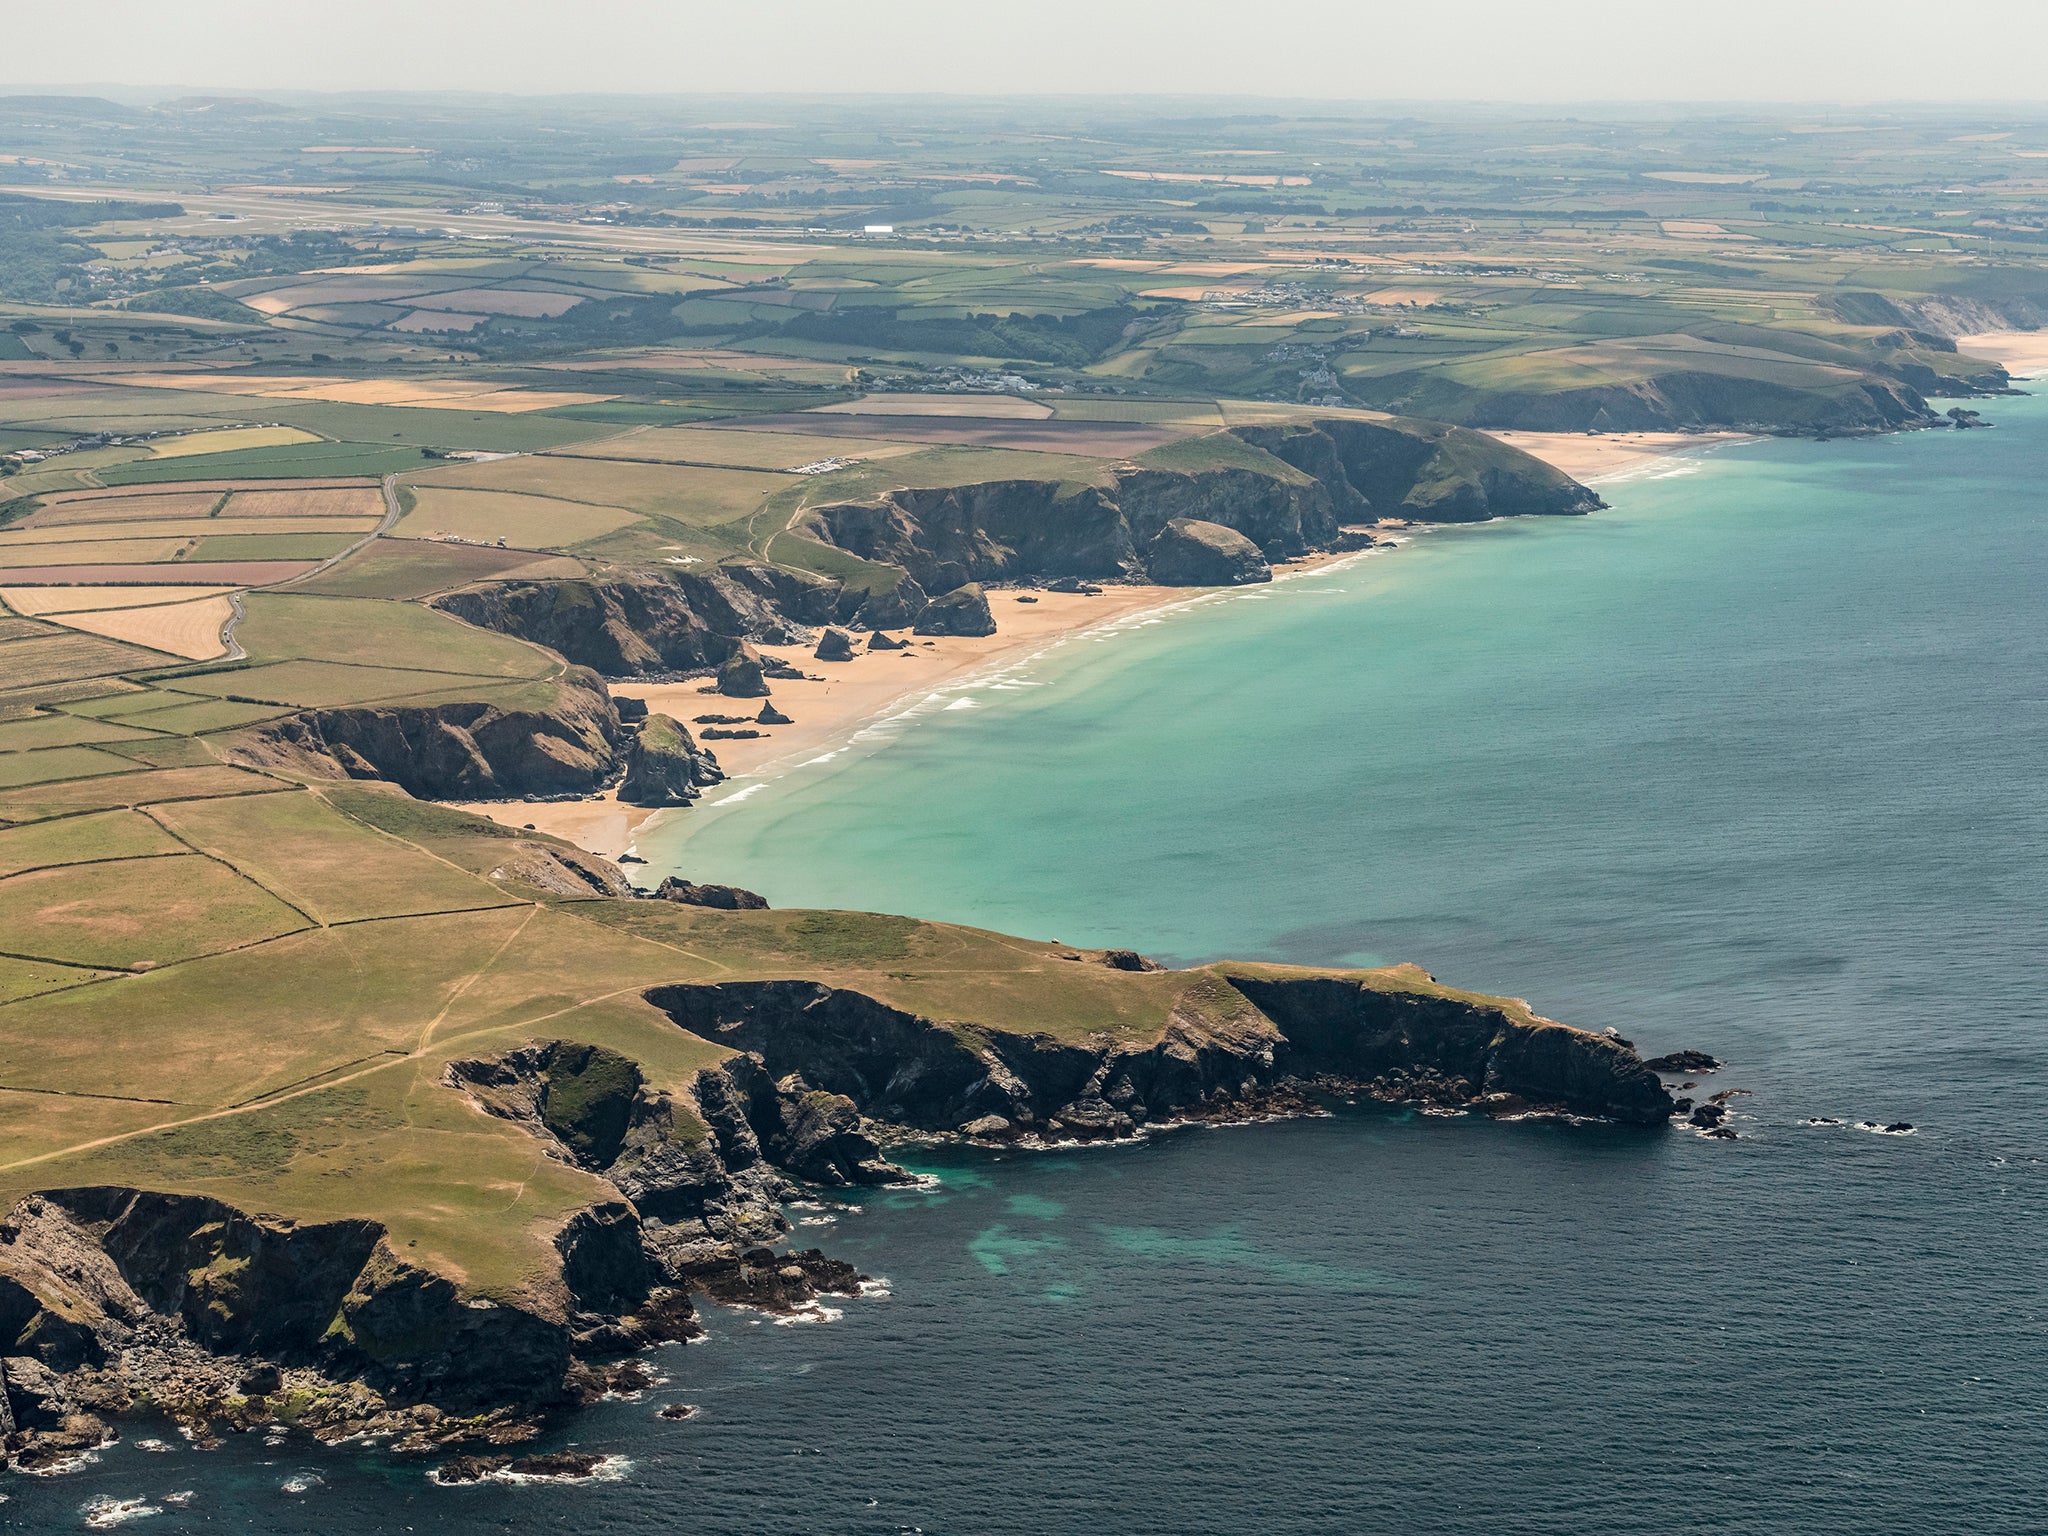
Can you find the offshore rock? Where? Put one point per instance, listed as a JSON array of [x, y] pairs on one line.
[[1190, 553], [770, 715], [962, 611], [834, 645], [879, 641]]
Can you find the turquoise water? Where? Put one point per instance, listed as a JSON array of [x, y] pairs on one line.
[[1755, 762]]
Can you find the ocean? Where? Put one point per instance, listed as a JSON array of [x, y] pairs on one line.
[[1755, 762]]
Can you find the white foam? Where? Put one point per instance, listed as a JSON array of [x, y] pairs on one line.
[[610, 1470], [304, 1482], [809, 1312], [104, 1513], [740, 794], [962, 704]]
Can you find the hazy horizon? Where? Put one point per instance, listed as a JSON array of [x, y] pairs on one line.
[[1460, 52]]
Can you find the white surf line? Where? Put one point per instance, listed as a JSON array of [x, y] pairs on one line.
[[1666, 466]]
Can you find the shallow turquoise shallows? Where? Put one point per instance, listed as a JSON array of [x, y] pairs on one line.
[[1755, 762]]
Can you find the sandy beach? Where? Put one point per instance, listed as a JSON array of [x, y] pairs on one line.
[[1594, 457], [847, 696], [2023, 353]]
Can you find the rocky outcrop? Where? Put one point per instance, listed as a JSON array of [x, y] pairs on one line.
[[192, 1306], [962, 611], [474, 751], [1187, 553], [704, 1170], [665, 766], [834, 645], [110, 1297], [743, 674], [726, 898], [1341, 1027]]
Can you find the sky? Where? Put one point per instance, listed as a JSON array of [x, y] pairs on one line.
[[1535, 51]]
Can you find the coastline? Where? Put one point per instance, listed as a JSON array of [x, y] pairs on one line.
[[847, 697], [1601, 458], [2023, 354]]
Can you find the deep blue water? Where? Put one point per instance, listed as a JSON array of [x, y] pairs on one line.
[[1756, 761]]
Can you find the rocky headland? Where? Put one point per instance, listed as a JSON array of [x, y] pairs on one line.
[[117, 1302]]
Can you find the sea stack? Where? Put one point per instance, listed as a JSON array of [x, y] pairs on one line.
[[665, 766], [834, 645], [962, 611], [742, 675]]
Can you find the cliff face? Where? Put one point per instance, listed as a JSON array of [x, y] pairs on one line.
[[1677, 401], [1338, 1027], [921, 1074], [457, 751], [995, 530], [1423, 470], [1349, 470], [648, 625], [704, 1169], [92, 1273], [1944, 315]]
